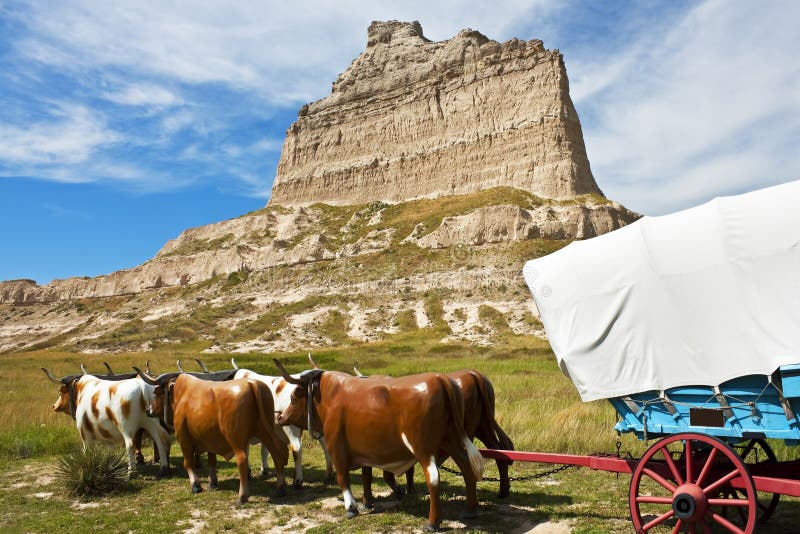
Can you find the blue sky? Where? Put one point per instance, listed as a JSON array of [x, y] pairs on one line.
[[124, 123]]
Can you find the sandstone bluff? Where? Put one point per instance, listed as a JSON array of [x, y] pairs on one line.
[[409, 198], [412, 118]]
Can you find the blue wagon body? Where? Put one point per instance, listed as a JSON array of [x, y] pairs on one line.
[[749, 407]]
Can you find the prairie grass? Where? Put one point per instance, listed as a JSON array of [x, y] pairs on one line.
[[93, 471], [536, 405]]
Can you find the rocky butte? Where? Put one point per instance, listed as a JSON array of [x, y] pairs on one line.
[[412, 118], [408, 198]]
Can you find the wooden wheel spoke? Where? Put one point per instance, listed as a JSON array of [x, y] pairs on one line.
[[722, 481], [678, 527], [671, 464], [658, 520], [725, 523], [658, 478], [687, 453], [707, 467], [728, 502], [650, 499]]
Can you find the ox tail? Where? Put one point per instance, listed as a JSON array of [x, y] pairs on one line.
[[476, 461], [265, 405], [487, 405]]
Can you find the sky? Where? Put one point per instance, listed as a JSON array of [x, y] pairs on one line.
[[124, 123]]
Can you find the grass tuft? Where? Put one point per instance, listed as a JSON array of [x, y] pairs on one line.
[[94, 471]]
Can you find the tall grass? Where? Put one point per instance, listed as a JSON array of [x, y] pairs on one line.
[[93, 471]]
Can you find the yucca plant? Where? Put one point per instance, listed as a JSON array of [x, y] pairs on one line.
[[93, 471]]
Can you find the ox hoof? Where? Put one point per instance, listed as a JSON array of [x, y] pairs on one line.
[[213, 486], [297, 484], [281, 491], [351, 512], [197, 488], [241, 501], [430, 527], [163, 472], [469, 514], [330, 479]]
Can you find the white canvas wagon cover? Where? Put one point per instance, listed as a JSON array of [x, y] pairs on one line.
[[697, 297]]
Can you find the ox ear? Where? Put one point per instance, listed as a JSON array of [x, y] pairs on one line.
[[51, 377], [146, 378], [312, 362], [233, 363], [110, 371], [286, 376], [202, 365]]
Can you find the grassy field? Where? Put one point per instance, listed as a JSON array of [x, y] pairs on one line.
[[536, 405]]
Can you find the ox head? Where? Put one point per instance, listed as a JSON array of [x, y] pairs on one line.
[[301, 411], [159, 403], [66, 392]]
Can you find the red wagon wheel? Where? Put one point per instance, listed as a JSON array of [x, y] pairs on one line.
[[678, 485]]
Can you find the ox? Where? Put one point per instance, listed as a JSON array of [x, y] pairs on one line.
[[110, 411], [479, 422], [388, 423], [220, 418], [282, 396]]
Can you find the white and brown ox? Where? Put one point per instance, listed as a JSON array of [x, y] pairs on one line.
[[282, 396], [220, 418], [387, 423], [111, 411]]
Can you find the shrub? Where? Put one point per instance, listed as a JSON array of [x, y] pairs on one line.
[[97, 470]]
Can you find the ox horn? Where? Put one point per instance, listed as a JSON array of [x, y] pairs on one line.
[[51, 377], [83, 370], [233, 363], [147, 367], [358, 373], [286, 375], [180, 367], [110, 371], [202, 365], [146, 378], [312, 362]]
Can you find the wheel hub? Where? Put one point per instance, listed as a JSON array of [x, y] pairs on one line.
[[689, 502]]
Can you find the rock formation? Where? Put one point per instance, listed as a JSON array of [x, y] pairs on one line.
[[412, 118]]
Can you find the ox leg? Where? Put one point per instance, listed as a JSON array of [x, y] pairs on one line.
[[329, 474], [137, 445], [295, 435], [458, 452], [264, 461], [244, 470], [391, 481], [350, 506], [189, 465], [366, 481], [161, 447], [410, 481], [131, 450], [432, 480], [212, 471], [505, 483]]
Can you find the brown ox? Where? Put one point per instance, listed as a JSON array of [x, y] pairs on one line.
[[479, 422], [221, 418], [388, 423]]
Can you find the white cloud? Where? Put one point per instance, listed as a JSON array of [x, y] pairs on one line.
[[286, 52], [143, 94], [710, 106], [71, 135]]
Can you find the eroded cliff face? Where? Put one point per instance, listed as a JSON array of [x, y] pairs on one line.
[[412, 118]]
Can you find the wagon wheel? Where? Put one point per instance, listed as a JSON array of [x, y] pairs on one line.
[[757, 452], [678, 486]]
